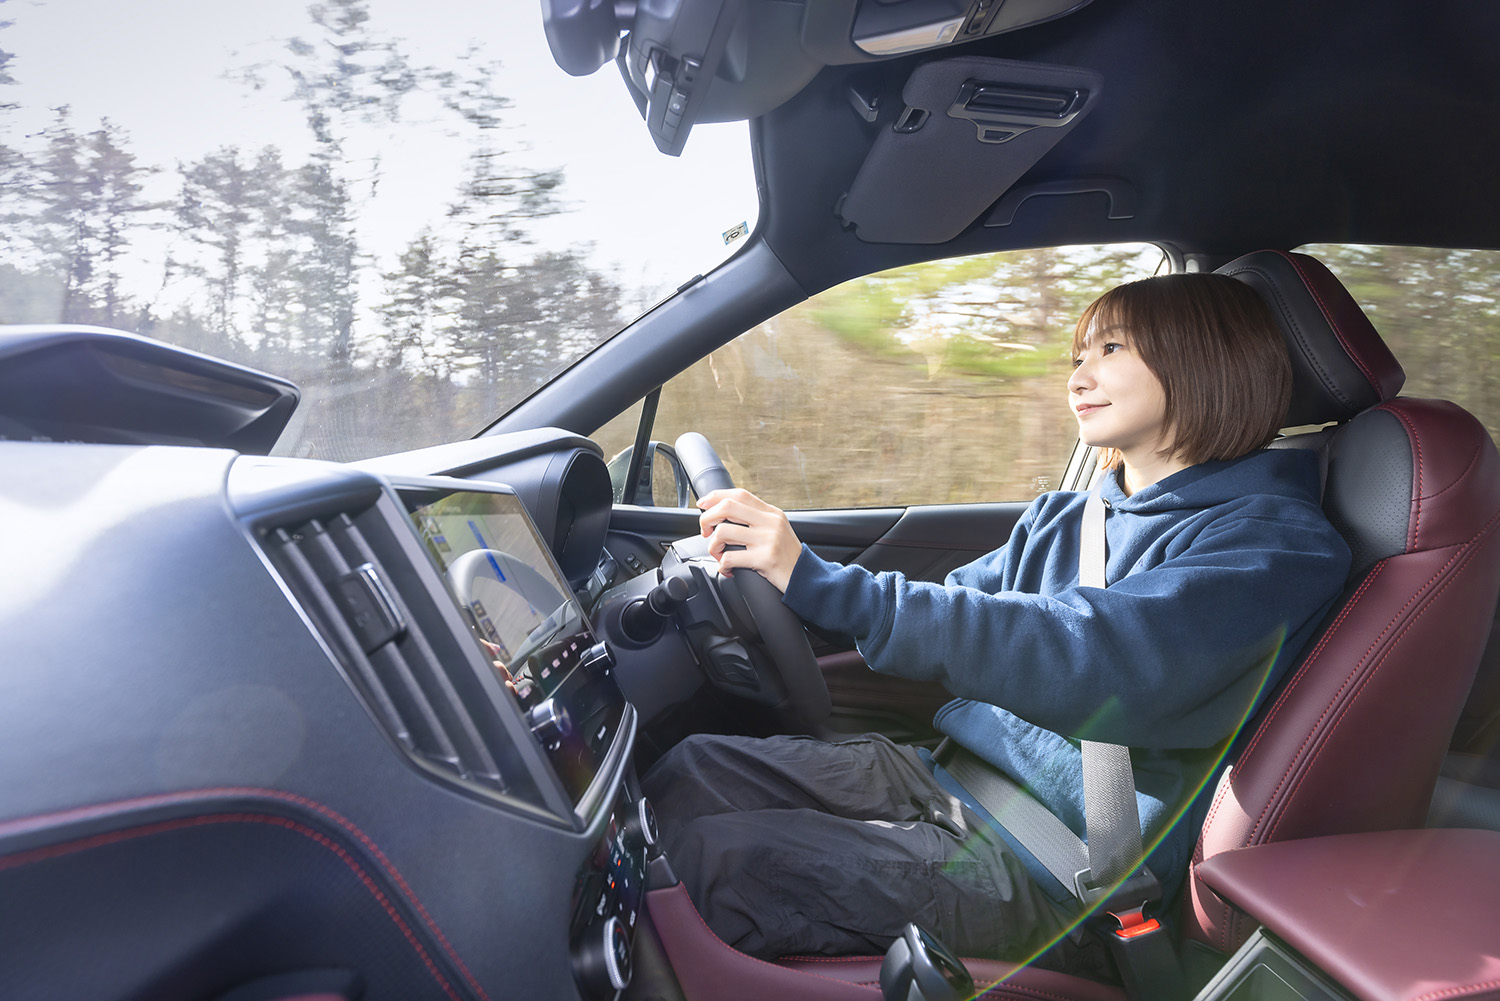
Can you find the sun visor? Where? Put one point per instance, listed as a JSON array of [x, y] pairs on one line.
[[970, 128]]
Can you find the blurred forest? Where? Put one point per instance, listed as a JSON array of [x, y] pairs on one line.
[[264, 265], [944, 382], [936, 383]]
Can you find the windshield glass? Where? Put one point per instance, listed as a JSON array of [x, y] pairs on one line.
[[405, 207]]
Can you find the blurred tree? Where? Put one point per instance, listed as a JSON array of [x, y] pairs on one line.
[[937, 383], [116, 202], [11, 160], [411, 309], [86, 207], [343, 71], [274, 298], [220, 197], [326, 269]]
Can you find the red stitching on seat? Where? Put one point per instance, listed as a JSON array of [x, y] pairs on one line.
[[782, 969], [1414, 533], [1359, 668], [1450, 992], [114, 837], [1224, 911], [1333, 324], [1467, 550], [1004, 986], [1463, 474], [194, 795], [1311, 658]]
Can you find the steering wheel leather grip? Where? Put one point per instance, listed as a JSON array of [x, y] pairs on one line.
[[781, 632]]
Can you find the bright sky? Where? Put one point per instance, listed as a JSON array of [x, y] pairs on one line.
[[158, 67]]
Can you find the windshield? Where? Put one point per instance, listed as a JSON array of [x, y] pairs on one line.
[[405, 207]]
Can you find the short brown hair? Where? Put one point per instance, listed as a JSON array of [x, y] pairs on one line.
[[1215, 348]]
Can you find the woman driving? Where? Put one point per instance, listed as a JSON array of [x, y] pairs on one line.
[[1220, 566]]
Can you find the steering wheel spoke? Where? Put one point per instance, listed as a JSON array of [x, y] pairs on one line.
[[765, 643]]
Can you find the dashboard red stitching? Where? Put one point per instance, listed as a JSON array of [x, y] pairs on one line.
[[202, 820], [194, 795]]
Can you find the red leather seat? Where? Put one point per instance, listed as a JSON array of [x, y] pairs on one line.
[[1353, 739]]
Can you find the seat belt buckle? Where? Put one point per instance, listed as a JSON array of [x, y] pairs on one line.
[[1137, 892], [1132, 923], [1143, 951]]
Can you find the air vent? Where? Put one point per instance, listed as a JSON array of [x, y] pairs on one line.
[[354, 599]]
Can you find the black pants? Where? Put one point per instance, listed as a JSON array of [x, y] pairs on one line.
[[790, 845]]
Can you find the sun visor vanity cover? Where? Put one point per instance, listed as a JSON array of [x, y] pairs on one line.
[[970, 128]]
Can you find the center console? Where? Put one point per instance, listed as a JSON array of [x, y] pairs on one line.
[[1382, 916], [537, 639]]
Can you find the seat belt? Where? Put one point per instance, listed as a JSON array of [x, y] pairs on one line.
[[1111, 817], [1099, 872]]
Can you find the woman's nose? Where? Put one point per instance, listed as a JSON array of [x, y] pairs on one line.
[[1081, 378]]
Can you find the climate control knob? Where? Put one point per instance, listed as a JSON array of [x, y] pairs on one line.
[[598, 658], [549, 722], [601, 960], [639, 828]]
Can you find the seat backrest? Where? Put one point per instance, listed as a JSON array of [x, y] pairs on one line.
[[1353, 739]]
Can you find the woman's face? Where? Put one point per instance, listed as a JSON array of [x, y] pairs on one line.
[[1117, 400]]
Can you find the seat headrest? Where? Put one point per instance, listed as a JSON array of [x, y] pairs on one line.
[[1340, 366]]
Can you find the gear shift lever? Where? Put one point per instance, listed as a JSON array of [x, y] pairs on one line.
[[918, 967]]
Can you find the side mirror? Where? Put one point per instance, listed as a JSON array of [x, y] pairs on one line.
[[662, 481]]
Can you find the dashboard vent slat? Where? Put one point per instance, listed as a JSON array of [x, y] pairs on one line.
[[318, 602], [470, 754], [349, 591]]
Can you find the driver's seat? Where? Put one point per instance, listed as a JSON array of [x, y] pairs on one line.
[[1354, 737]]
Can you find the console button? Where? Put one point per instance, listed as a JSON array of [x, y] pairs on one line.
[[601, 961]]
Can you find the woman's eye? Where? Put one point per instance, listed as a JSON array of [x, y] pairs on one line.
[[1077, 362], [1111, 348]]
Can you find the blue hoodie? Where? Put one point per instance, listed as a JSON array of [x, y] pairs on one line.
[[1218, 575]]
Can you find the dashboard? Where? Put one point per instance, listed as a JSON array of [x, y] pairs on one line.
[[275, 727]]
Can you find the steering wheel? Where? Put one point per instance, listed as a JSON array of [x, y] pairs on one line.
[[781, 633]]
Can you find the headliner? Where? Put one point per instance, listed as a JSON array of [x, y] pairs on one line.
[[1240, 125]]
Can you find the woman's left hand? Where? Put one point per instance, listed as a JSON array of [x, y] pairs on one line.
[[739, 518]]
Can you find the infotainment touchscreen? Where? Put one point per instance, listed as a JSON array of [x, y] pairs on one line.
[[526, 619], [497, 571]]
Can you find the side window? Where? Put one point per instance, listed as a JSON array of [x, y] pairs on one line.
[[1438, 310], [931, 384]]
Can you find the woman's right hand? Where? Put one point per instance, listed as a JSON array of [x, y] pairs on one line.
[[739, 518]]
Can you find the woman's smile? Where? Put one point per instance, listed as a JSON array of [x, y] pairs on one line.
[[1119, 403]]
